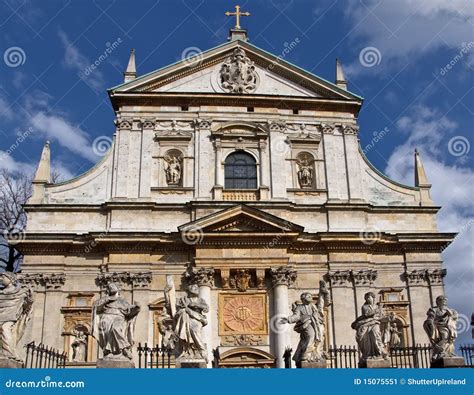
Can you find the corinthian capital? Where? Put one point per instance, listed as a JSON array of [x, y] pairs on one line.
[[364, 277], [283, 276], [339, 278], [203, 277], [436, 276]]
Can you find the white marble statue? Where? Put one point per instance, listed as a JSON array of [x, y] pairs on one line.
[[440, 326], [189, 320], [173, 170], [367, 326], [310, 324], [113, 322], [79, 346], [305, 174], [15, 311]]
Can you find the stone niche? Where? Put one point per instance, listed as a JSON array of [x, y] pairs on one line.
[[80, 346]]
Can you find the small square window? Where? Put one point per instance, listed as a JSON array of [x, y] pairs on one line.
[[250, 109], [184, 108], [296, 111]]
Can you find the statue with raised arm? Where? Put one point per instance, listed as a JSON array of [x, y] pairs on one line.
[[368, 334], [15, 311], [440, 326], [309, 321], [113, 324]]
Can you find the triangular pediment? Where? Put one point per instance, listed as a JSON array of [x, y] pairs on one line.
[[241, 219], [273, 76]]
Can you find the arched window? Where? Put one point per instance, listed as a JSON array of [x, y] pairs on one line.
[[240, 171]]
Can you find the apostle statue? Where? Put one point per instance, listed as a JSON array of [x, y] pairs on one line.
[[189, 319], [79, 345], [440, 326], [15, 311], [368, 334], [309, 320], [305, 173], [113, 324], [174, 170]]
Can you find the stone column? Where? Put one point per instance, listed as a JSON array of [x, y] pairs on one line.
[[204, 278], [264, 171], [282, 278], [435, 280], [219, 174], [420, 302], [141, 295], [343, 307]]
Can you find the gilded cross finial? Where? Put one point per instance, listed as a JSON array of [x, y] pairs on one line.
[[237, 15]]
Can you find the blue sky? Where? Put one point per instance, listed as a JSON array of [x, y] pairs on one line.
[[395, 54]]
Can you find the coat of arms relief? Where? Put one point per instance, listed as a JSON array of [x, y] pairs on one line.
[[237, 74]]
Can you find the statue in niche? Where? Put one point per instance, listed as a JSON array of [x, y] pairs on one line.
[[79, 345], [16, 302], [113, 324], [237, 74], [440, 326], [174, 168], [310, 324], [188, 320], [165, 327], [368, 334], [305, 171]]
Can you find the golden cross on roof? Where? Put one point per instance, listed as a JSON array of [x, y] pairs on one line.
[[237, 14]]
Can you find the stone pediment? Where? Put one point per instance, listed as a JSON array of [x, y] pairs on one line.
[[235, 68], [241, 219]]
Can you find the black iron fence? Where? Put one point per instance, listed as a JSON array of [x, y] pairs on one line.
[[154, 357], [418, 356], [42, 356], [467, 351], [411, 357], [343, 356]]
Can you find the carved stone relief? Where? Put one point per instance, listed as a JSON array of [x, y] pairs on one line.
[[237, 74]]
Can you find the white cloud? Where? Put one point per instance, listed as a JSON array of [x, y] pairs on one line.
[[15, 167], [75, 60], [452, 188], [65, 133], [406, 29]]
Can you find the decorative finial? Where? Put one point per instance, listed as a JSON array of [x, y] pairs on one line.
[[341, 81], [131, 72], [237, 15]]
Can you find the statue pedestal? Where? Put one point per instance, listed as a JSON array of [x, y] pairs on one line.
[[191, 363], [448, 362], [111, 363], [375, 364], [321, 364], [6, 363]]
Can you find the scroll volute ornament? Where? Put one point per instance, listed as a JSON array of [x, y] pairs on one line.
[[237, 74]]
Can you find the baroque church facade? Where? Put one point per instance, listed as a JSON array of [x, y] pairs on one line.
[[243, 174]]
